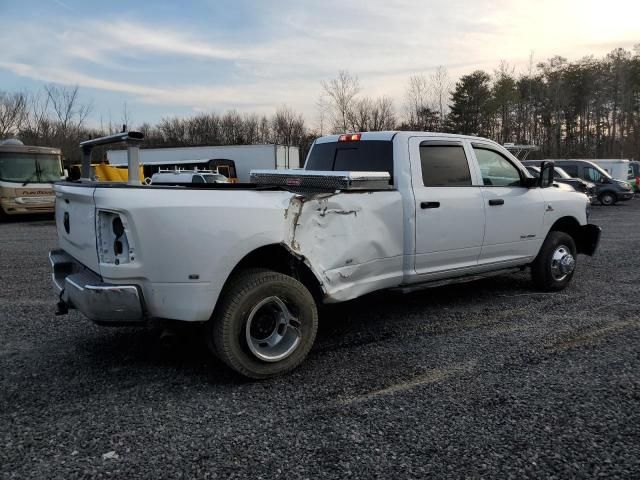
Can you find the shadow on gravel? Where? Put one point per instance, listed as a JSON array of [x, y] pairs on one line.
[[426, 305], [131, 353], [130, 358], [35, 220]]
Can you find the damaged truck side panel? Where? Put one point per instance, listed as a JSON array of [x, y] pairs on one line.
[[322, 229]]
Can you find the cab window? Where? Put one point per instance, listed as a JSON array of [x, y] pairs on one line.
[[197, 179], [496, 170], [572, 170], [444, 165], [592, 175]]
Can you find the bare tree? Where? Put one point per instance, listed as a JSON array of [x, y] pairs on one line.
[[126, 118], [441, 90], [369, 115], [416, 99], [38, 127], [264, 130], [340, 93], [13, 112], [287, 126], [69, 112], [323, 112]]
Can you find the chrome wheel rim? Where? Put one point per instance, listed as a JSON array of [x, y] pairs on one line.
[[607, 200], [272, 331], [562, 263]]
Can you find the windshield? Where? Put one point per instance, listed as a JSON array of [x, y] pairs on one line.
[[534, 171], [215, 178], [30, 168], [561, 173]]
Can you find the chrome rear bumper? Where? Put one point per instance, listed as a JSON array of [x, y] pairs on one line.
[[78, 287]]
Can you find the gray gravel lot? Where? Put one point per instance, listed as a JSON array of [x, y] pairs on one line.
[[488, 379]]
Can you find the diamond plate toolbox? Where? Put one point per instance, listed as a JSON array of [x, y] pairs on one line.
[[321, 181]]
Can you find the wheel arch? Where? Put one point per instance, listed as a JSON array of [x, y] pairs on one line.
[[586, 237], [279, 258]]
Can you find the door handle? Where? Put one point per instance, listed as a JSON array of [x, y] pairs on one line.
[[496, 201], [424, 205]]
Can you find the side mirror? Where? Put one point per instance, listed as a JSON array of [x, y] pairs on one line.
[[65, 174], [546, 174]]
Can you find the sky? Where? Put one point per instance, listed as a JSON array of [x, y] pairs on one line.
[[166, 58]]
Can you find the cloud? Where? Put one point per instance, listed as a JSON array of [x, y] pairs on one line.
[[282, 59], [65, 76]]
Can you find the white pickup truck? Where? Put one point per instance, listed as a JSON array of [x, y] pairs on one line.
[[253, 261]]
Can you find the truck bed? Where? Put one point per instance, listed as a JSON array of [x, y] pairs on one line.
[[182, 242]]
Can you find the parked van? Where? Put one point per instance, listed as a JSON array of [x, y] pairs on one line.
[[609, 190], [617, 168], [560, 176], [635, 169]]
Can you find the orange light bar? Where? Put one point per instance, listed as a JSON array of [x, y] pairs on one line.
[[350, 137]]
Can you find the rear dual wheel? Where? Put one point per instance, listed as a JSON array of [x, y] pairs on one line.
[[264, 325]]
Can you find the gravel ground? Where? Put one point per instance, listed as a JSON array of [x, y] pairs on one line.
[[488, 379]]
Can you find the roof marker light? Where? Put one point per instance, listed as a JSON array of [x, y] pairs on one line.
[[350, 137]]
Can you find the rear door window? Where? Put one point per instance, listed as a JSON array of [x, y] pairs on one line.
[[444, 165], [357, 156]]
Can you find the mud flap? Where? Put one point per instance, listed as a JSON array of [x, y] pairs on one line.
[[589, 238]]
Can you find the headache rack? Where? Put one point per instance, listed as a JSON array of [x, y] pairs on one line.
[[310, 181]]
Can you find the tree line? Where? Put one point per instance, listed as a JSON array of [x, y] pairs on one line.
[[589, 108]]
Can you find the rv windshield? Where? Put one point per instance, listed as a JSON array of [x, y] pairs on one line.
[[30, 168]]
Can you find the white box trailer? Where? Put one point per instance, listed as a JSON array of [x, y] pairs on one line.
[[244, 157]]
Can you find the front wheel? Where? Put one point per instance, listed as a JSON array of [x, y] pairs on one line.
[[553, 268], [608, 199], [264, 325]]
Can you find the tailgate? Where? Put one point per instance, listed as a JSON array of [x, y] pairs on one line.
[[76, 223]]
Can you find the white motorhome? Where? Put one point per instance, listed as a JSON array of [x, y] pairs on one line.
[[26, 177], [233, 161]]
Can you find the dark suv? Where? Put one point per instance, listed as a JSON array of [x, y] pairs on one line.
[[609, 190]]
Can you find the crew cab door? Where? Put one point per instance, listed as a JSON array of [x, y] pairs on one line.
[[514, 213], [449, 223]]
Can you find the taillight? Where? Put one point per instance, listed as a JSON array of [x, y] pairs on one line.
[[350, 137], [113, 245]]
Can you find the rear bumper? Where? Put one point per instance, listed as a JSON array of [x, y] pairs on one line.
[[80, 288]]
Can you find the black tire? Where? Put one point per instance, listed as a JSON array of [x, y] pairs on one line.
[[544, 269], [608, 199], [228, 332]]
